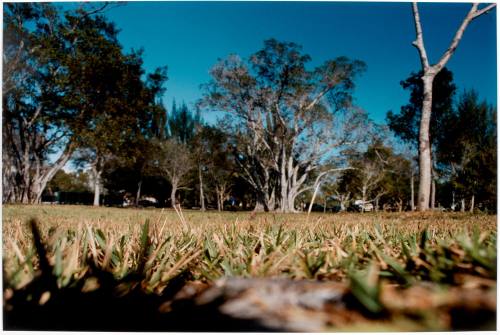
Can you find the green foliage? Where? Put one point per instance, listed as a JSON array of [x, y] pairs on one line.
[[70, 86], [182, 124], [69, 182], [470, 151], [406, 124]]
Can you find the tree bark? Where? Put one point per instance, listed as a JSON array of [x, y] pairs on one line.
[[472, 204], [219, 201], [260, 205], [202, 197], [97, 193], [462, 205], [412, 186], [172, 194], [50, 173], [138, 194], [313, 198], [425, 164], [425, 160], [433, 193], [97, 187]]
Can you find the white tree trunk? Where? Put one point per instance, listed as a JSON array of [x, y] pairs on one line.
[[425, 160], [202, 196], [138, 194], [363, 196], [97, 193], [472, 204], [433, 193], [313, 198], [96, 171], [425, 164], [173, 200], [412, 186]]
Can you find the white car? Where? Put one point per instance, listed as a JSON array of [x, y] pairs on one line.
[[363, 206]]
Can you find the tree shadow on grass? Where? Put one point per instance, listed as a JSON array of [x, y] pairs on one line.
[[41, 305]]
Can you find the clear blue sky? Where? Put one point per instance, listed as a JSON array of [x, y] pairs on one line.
[[189, 37]]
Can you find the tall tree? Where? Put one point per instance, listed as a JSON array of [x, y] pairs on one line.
[[118, 103], [140, 150], [429, 74], [33, 127], [284, 117], [55, 79], [405, 125]]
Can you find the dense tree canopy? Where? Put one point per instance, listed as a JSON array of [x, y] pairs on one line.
[[68, 88]]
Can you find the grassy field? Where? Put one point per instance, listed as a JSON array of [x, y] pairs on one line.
[[381, 260]]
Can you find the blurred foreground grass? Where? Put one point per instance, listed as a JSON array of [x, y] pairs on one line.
[[371, 253]]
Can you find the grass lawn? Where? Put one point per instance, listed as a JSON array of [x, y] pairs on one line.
[[393, 271]]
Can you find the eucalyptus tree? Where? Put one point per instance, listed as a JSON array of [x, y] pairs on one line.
[[429, 74], [285, 118]]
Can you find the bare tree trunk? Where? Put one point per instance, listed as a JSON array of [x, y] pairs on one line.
[[219, 201], [344, 200], [313, 198], [172, 194], [138, 194], [425, 164], [97, 193], [97, 186], [202, 197], [472, 204], [363, 198], [462, 205], [48, 174], [412, 185], [433, 193], [262, 202], [425, 159], [96, 176]]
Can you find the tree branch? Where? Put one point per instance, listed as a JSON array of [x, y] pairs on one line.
[[484, 10], [419, 42], [456, 39]]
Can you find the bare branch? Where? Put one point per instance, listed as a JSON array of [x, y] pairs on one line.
[[456, 39], [419, 42], [484, 10]]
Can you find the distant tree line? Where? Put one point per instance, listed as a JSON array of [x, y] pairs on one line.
[[291, 135]]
